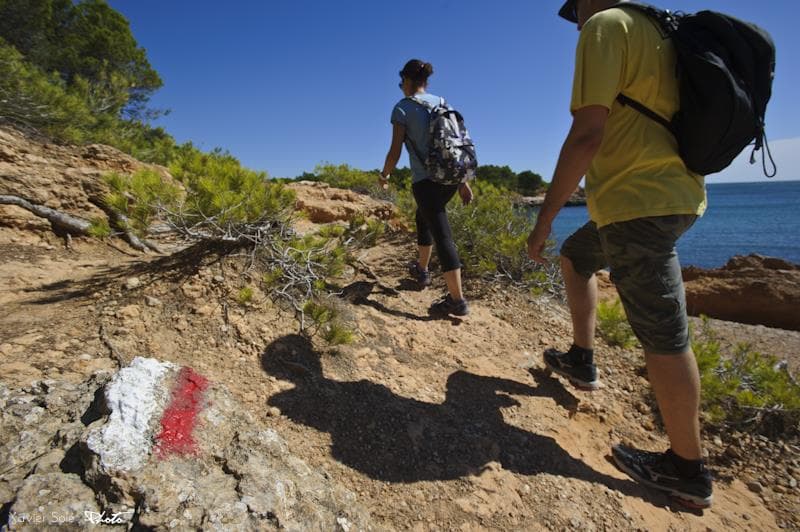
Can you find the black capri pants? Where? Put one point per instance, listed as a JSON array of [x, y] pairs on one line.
[[432, 224]]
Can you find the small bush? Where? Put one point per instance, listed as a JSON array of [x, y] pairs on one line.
[[328, 322], [365, 232], [613, 324], [326, 256], [138, 196], [331, 231], [491, 234], [745, 388], [99, 228], [245, 295], [406, 205], [219, 188], [345, 176]]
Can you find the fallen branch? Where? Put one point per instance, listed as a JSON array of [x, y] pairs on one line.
[[60, 221], [121, 222]]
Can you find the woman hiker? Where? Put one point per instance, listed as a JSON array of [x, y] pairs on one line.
[[410, 123]]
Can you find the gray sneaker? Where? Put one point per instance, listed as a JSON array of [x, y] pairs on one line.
[[581, 375], [658, 471], [449, 306], [423, 277]]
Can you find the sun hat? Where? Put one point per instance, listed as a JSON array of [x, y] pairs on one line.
[[568, 11]]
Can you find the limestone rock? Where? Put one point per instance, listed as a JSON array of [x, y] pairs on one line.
[[234, 475], [754, 289], [63, 177], [325, 204]]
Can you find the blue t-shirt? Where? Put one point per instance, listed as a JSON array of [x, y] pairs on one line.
[[416, 118]]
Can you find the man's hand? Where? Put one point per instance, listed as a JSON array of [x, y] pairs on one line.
[[466, 193], [537, 240]]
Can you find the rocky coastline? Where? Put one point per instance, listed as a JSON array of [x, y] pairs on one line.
[[751, 289], [577, 199]]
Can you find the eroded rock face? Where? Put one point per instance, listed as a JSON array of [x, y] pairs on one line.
[[61, 177], [158, 446], [325, 204], [753, 289]]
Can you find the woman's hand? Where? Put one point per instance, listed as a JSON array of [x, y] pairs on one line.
[[466, 193]]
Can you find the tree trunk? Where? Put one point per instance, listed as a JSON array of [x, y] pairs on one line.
[[61, 222]]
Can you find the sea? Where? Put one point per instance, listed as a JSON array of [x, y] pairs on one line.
[[742, 218]]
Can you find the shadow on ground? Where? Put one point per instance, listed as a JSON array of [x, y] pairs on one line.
[[358, 293], [175, 268], [399, 439]]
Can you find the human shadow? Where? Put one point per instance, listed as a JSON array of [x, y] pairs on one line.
[[400, 439], [409, 285], [358, 293]]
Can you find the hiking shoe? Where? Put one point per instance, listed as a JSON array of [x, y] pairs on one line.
[[448, 305], [580, 374], [423, 277], [658, 471]]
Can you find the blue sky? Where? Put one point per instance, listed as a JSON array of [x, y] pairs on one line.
[[287, 84]]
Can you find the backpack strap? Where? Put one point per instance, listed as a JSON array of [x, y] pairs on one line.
[[646, 111], [668, 22], [422, 102], [429, 107]]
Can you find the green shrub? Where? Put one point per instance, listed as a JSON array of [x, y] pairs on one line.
[[328, 322], [332, 231], [138, 196], [220, 188], [491, 234], [745, 388], [245, 295], [345, 176], [406, 205], [99, 228], [30, 97], [613, 324], [365, 232]]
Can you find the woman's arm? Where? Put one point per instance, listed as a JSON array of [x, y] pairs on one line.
[[398, 136]]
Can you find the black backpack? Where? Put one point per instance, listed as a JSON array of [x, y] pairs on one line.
[[725, 72]]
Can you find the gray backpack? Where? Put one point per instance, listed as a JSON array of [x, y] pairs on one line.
[[451, 158]]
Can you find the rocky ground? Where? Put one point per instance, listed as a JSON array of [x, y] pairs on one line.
[[430, 425], [420, 424]]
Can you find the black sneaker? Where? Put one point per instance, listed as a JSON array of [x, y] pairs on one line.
[[450, 306], [658, 471], [423, 277], [583, 376]]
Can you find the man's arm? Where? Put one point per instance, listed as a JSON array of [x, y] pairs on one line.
[[580, 147]]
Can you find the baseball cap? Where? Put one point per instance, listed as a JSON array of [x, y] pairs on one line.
[[568, 11]]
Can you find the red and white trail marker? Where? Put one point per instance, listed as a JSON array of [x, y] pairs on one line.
[[154, 408]]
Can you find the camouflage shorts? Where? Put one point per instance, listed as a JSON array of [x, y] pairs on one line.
[[645, 269]]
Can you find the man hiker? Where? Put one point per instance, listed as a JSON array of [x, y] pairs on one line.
[[641, 199]]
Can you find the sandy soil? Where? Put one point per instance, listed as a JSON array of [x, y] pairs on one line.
[[435, 424]]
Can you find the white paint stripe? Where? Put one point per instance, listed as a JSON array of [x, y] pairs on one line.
[[137, 397]]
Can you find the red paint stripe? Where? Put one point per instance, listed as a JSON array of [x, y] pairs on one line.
[[180, 417]]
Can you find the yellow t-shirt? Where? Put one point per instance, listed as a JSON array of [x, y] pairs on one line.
[[637, 171]]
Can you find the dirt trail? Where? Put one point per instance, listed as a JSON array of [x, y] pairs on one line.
[[434, 424]]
